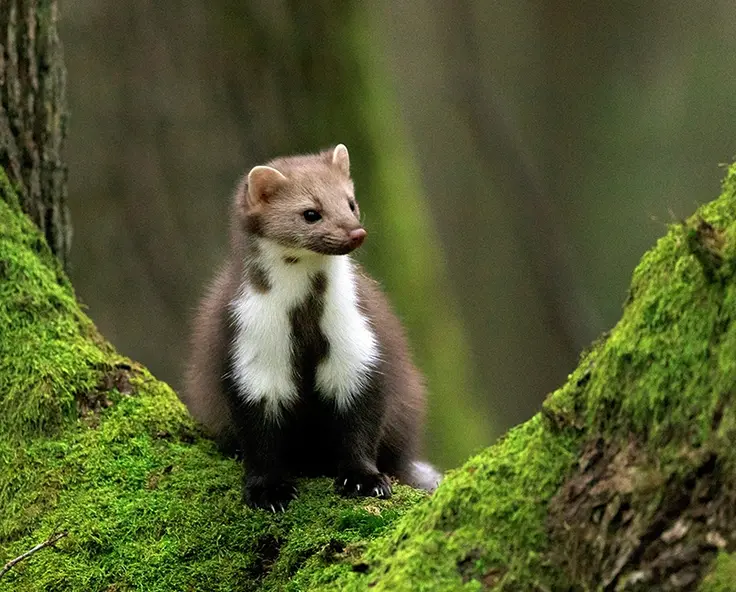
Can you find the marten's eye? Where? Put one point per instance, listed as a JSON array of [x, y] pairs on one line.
[[311, 216], [351, 203]]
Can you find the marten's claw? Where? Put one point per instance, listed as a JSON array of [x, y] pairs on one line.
[[380, 492], [359, 483], [384, 491], [273, 497]]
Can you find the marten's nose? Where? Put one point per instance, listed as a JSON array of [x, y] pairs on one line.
[[357, 237]]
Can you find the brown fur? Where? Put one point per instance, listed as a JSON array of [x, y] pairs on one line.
[[404, 385]]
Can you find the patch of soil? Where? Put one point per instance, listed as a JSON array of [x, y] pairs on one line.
[[267, 549], [91, 403]]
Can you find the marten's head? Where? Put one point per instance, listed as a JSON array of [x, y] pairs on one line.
[[303, 202]]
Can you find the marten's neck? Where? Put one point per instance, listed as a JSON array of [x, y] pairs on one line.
[[286, 294], [286, 269]]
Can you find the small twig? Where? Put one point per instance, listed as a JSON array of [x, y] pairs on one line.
[[51, 541]]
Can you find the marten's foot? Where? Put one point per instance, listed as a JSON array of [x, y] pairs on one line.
[[360, 482], [268, 494]]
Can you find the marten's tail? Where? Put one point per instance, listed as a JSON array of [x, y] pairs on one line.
[[421, 475]]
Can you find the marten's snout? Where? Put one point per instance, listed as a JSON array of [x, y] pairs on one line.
[[356, 237]]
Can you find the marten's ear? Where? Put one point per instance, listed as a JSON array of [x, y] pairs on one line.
[[341, 158], [263, 182]]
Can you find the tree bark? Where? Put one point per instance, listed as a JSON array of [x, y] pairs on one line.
[[33, 116]]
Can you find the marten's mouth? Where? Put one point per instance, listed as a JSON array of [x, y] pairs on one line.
[[333, 249], [327, 246]]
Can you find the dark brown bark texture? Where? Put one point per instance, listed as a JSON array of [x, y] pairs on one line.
[[33, 115]]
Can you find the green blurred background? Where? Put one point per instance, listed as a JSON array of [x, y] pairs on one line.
[[513, 161]]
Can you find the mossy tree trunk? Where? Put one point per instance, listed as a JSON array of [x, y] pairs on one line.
[[33, 115], [626, 481]]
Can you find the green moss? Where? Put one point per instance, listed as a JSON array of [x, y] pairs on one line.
[[722, 577], [669, 365], [486, 522], [149, 508], [48, 352]]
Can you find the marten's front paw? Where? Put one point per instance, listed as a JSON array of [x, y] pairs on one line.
[[269, 495], [352, 483]]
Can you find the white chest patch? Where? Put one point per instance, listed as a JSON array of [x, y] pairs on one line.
[[353, 346], [262, 345]]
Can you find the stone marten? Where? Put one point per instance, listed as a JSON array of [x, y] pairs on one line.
[[297, 360]]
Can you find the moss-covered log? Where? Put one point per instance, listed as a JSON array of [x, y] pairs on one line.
[[625, 481], [92, 445], [33, 115]]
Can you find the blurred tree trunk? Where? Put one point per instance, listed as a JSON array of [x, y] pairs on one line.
[[33, 115]]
